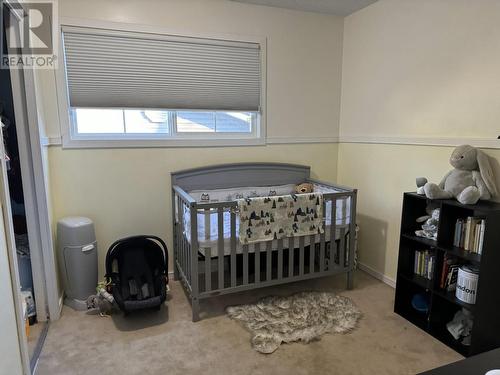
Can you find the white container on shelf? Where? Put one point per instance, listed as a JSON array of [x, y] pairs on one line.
[[467, 284]]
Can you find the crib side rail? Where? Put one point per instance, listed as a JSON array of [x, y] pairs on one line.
[[185, 238], [336, 186], [183, 195], [225, 269], [260, 264], [218, 268], [343, 203]]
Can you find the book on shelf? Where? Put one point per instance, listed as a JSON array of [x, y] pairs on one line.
[[449, 273], [469, 234], [424, 264]]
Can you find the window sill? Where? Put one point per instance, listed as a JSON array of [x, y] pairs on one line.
[[68, 143]]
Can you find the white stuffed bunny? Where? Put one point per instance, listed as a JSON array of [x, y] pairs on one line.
[[471, 179]]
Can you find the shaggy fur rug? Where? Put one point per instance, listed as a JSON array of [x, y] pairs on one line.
[[304, 316]]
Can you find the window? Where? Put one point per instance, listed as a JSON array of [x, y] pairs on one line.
[[131, 86], [100, 123]]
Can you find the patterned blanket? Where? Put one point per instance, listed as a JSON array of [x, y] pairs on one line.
[[272, 218]]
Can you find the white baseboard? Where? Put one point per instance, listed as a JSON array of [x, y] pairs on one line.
[[378, 275]]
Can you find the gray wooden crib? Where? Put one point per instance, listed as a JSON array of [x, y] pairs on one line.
[[208, 257]]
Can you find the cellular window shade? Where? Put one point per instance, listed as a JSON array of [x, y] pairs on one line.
[[139, 70]]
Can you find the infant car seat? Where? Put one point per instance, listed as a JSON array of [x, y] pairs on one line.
[[136, 268]]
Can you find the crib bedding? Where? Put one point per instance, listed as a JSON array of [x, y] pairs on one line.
[[279, 217], [208, 221], [228, 195]]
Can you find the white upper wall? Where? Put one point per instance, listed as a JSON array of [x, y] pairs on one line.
[[304, 54], [423, 68]]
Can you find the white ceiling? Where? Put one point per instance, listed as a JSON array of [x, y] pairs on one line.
[[337, 7]]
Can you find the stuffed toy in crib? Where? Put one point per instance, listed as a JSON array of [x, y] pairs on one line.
[[304, 188], [471, 179]]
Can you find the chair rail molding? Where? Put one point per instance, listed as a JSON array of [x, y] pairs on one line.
[[492, 143]]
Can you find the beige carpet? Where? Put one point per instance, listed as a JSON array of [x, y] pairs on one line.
[[169, 343]]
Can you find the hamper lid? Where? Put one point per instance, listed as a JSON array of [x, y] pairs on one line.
[[470, 269]]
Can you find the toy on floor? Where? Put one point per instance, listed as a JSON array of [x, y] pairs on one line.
[[304, 188], [471, 179], [460, 327], [103, 301]]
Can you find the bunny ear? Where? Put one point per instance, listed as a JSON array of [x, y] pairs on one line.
[[486, 172]]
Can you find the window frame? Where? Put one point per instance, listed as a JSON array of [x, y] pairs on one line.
[[71, 139]]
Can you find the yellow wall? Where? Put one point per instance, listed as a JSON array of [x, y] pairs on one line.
[[413, 69], [409, 69], [127, 191], [382, 173], [422, 68], [304, 54]]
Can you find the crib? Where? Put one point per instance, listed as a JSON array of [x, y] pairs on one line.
[[209, 259]]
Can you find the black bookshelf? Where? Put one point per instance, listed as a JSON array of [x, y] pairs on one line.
[[442, 304]]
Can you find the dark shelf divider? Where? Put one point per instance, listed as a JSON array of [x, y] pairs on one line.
[[450, 297], [417, 280], [463, 254], [424, 241], [453, 250]]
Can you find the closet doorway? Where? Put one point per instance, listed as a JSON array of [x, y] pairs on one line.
[[31, 285], [25, 202]]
